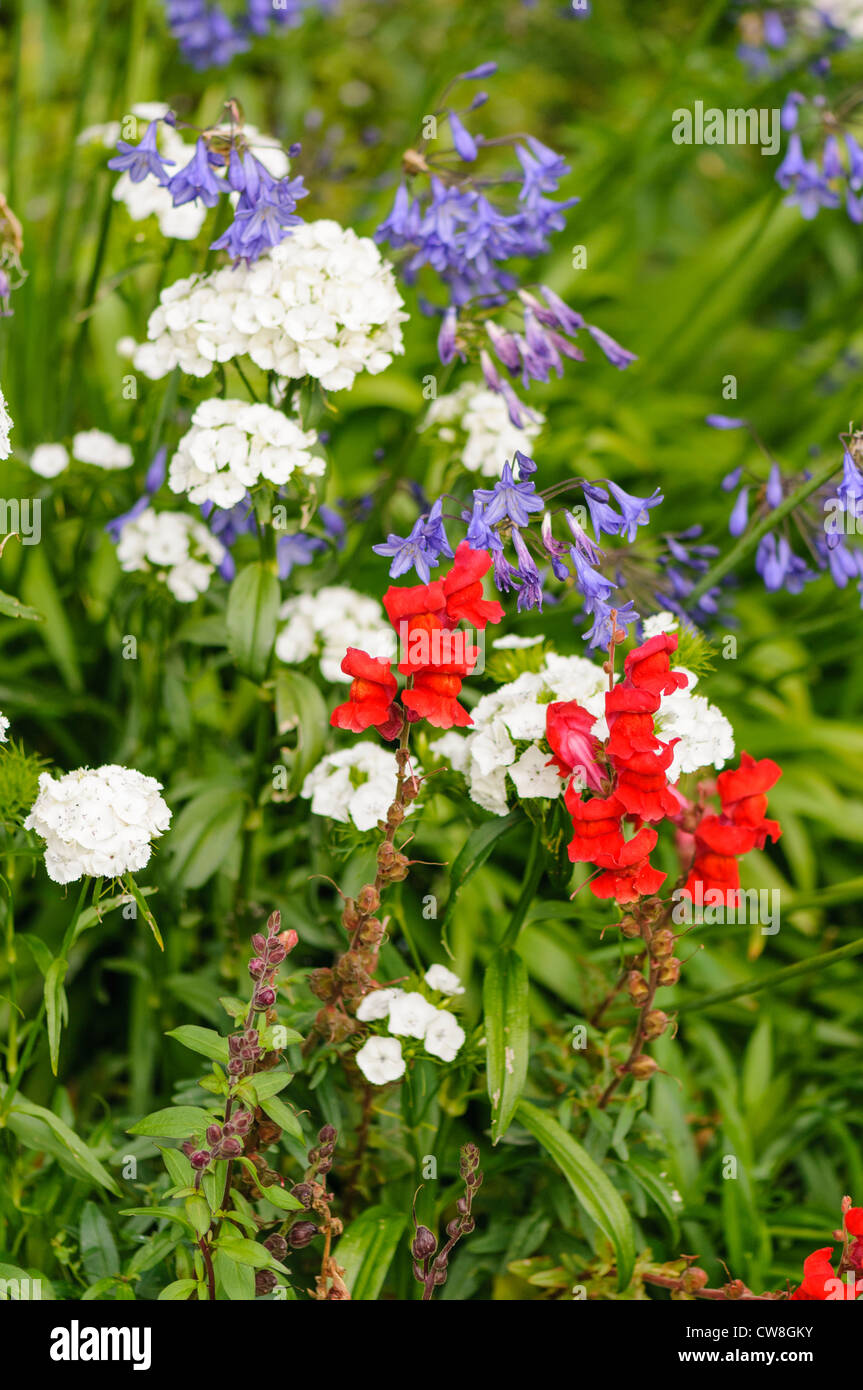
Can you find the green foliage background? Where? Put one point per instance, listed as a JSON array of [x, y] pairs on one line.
[[694, 263]]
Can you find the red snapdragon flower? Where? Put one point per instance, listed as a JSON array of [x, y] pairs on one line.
[[629, 874], [648, 667], [596, 823], [371, 695], [463, 589], [642, 784], [741, 826], [568, 730], [629, 713], [818, 1276]]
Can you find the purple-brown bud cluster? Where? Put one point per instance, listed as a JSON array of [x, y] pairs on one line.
[[430, 1266]]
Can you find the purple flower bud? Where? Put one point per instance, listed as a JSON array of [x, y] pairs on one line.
[[259, 942], [256, 967], [740, 513], [423, 1244], [214, 1134], [301, 1233], [231, 1148], [199, 1159], [264, 998], [446, 336], [724, 422]]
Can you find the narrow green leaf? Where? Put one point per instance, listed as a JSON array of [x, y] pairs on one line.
[[366, 1251], [472, 855], [285, 1118], [507, 1031], [593, 1190], [776, 977], [83, 1155], [12, 607], [253, 606], [178, 1291], [98, 1249], [300, 708], [55, 1007]]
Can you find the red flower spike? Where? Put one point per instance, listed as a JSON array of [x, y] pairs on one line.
[[463, 589], [371, 694], [648, 667], [568, 730], [642, 784]]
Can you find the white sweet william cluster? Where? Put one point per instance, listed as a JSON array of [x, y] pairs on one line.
[[507, 746], [178, 548], [97, 822], [232, 446], [478, 419], [324, 624], [101, 450], [49, 460], [409, 1014], [323, 303], [355, 784]]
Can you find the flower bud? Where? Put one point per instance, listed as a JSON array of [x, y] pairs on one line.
[[662, 943], [637, 987], [303, 1193], [693, 1279], [265, 1282], [453, 1227], [668, 972], [199, 1159], [274, 921], [276, 955], [654, 1023], [214, 1134], [256, 967], [369, 899], [301, 1234], [242, 1121], [642, 1067], [424, 1243], [231, 1148], [264, 998], [289, 940], [327, 1135], [259, 942], [277, 1246]]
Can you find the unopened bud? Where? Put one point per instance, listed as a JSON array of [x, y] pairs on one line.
[[264, 998], [424, 1243], [277, 1246], [654, 1023], [303, 1193], [300, 1234], [642, 1067], [693, 1279], [668, 972], [637, 987]]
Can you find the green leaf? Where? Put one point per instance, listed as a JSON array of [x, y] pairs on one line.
[[205, 1041], [237, 1280], [593, 1190], [284, 1118], [253, 607], [12, 607], [472, 855], [268, 1083], [56, 1007], [178, 1291], [199, 1214], [246, 1252], [160, 1214], [776, 977], [205, 831], [98, 1249], [280, 1198], [300, 706], [507, 1030], [144, 909], [367, 1248], [174, 1122], [84, 1157], [40, 590]]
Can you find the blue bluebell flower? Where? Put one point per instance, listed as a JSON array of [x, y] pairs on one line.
[[510, 499], [141, 160], [196, 180]]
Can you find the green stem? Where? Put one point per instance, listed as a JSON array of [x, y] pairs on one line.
[[36, 1030], [532, 874], [777, 977]]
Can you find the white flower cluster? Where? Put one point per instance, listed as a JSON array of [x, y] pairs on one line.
[[97, 821], [4, 728], [6, 427], [101, 450], [408, 1014], [148, 198], [516, 713], [49, 459], [481, 416], [233, 445], [323, 303], [325, 623], [356, 783], [177, 547]]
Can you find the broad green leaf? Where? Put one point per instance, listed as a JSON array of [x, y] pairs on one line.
[[507, 1031], [253, 606], [268, 1083], [593, 1190], [39, 591], [160, 1214], [16, 1280], [237, 1280], [199, 1214], [367, 1248], [205, 1041], [98, 1249], [246, 1252], [178, 1291], [174, 1122]]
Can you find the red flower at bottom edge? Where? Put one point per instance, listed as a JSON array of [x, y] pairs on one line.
[[818, 1276]]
